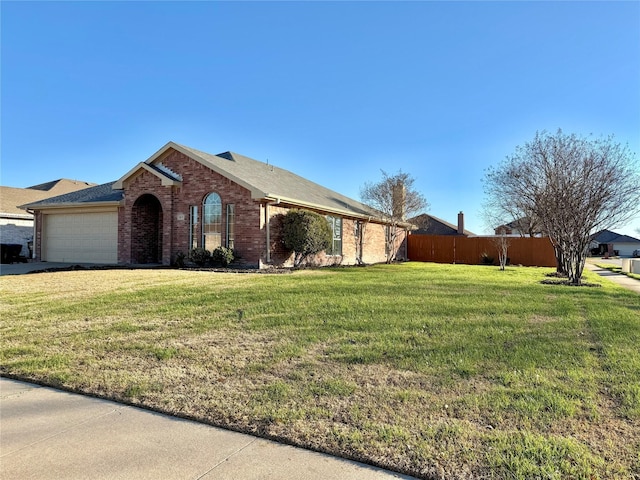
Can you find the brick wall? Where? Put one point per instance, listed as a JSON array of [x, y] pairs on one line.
[[130, 232], [197, 182], [37, 241], [372, 244]]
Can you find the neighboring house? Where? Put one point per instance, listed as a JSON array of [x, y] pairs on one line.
[[429, 225], [624, 245], [522, 227], [181, 198], [16, 225]]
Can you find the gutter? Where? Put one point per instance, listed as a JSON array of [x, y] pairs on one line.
[[51, 206], [324, 208]]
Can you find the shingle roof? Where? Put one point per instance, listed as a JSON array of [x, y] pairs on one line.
[[11, 198], [99, 194], [268, 181], [61, 186]]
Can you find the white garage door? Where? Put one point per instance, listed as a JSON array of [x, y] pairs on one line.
[[81, 237]]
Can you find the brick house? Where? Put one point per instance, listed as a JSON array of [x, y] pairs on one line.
[[181, 198]]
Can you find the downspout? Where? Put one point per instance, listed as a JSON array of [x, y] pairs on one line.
[[268, 228], [406, 244]]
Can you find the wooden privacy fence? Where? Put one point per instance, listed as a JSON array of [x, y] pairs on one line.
[[527, 251]]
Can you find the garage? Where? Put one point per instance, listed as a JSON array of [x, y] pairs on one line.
[[87, 237]]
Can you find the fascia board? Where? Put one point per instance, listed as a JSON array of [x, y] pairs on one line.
[[299, 203], [17, 216], [64, 206]]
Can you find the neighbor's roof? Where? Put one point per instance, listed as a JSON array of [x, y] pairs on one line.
[[435, 226], [11, 198], [607, 236], [62, 186], [100, 194]]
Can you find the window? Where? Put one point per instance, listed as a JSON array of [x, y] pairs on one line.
[[212, 222], [193, 226], [335, 223], [231, 225]]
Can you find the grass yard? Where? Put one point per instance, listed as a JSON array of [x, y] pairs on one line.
[[439, 371]]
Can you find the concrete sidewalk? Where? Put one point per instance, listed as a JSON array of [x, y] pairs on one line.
[[46, 433], [619, 278]]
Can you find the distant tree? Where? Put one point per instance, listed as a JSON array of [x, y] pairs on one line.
[[305, 233], [396, 199], [573, 186], [502, 244]]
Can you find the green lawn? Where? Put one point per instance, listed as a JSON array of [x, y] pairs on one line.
[[433, 370]]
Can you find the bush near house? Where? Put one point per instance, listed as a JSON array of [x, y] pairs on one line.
[[200, 256], [305, 233], [222, 256]]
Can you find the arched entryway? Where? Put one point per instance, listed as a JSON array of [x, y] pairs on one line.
[[146, 230]]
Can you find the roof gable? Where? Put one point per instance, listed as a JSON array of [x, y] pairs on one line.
[[166, 176]]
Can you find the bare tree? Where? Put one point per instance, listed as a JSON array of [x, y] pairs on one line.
[[502, 243], [573, 186], [359, 232], [396, 199]]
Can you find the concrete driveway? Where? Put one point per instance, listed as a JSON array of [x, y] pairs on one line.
[[22, 268]]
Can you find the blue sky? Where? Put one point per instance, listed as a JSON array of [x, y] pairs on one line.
[[333, 91]]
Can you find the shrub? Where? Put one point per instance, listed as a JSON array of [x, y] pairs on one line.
[[486, 259], [179, 261], [199, 256], [222, 256], [305, 233]]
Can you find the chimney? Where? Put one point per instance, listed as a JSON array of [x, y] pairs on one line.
[[461, 223], [399, 199]]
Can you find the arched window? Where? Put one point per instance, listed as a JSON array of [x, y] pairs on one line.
[[212, 221]]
